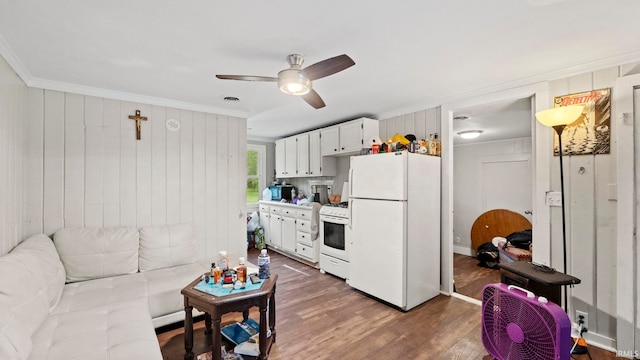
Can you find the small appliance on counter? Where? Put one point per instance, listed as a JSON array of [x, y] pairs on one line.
[[279, 192], [321, 190]]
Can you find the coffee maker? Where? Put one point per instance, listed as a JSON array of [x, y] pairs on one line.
[[321, 193]]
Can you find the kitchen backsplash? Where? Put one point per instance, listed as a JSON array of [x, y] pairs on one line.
[[342, 175]]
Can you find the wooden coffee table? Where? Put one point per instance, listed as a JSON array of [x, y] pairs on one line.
[[215, 306]]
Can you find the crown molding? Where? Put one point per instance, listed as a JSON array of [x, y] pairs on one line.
[[545, 77], [30, 81]]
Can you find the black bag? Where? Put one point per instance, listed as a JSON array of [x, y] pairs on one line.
[[488, 255], [520, 239]]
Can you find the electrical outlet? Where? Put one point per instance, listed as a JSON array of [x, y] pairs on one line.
[[585, 318], [456, 240]]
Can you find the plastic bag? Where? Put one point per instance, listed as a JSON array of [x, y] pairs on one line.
[[253, 222]]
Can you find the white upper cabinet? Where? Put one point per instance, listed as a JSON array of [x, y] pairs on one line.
[[349, 137], [319, 165], [290, 158], [303, 154], [280, 158]]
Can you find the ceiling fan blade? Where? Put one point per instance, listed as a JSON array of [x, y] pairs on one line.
[[247, 78], [312, 98], [328, 67]]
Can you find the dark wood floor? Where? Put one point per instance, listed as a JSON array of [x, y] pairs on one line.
[[321, 317], [470, 278]]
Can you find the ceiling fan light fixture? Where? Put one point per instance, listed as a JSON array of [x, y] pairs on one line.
[[293, 82], [470, 134]]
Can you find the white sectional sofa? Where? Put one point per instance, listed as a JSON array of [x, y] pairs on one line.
[[94, 293]]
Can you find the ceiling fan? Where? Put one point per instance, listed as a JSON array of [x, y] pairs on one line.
[[297, 81]]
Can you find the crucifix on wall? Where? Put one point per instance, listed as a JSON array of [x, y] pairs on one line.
[[138, 118]]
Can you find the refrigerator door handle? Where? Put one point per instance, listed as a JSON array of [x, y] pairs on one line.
[[350, 181], [350, 212]]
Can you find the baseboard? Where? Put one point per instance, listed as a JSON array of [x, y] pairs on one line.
[[463, 250], [597, 340]]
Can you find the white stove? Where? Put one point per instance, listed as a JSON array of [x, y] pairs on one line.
[[337, 210], [334, 237]]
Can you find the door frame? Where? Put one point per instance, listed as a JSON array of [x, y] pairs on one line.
[[541, 138], [627, 276]]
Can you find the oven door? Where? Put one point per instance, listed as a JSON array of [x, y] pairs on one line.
[[334, 235]]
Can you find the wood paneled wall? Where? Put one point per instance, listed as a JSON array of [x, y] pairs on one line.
[[590, 216], [419, 123], [86, 168], [12, 116]]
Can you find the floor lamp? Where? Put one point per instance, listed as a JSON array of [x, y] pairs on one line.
[[558, 118]]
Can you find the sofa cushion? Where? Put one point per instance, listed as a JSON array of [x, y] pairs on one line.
[[26, 296], [167, 246], [84, 295], [113, 331], [164, 285], [91, 253]]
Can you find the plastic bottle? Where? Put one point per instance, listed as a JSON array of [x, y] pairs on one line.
[[241, 270], [223, 261], [438, 145], [213, 266], [264, 261], [293, 196], [217, 274]]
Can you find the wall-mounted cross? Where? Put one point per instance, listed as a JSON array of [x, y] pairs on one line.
[[138, 118]]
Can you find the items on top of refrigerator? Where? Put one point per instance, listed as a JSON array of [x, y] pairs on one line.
[[408, 142]]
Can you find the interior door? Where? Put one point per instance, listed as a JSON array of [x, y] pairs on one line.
[[506, 183]]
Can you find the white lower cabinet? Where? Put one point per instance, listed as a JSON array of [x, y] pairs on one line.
[[289, 230]]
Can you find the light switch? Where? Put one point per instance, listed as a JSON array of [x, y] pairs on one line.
[[554, 198]]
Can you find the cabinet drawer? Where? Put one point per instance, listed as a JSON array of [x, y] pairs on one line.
[[334, 266], [306, 251], [303, 225], [275, 210], [304, 238], [304, 214], [288, 212]]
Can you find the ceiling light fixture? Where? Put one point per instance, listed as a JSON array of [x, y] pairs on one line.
[[461, 117], [231, 98], [293, 82], [470, 134]]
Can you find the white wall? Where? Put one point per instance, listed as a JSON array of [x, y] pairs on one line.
[[590, 216], [86, 168], [467, 175], [12, 116]]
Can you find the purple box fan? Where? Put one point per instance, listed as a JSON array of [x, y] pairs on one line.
[[517, 325]]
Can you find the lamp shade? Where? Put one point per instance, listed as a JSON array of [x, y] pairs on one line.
[[563, 115], [292, 81]]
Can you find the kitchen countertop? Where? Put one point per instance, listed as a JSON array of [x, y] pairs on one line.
[[272, 202]]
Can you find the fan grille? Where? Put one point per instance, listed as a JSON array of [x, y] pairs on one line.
[[514, 329]]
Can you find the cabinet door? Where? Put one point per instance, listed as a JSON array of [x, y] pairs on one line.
[[351, 136], [280, 158], [315, 156], [266, 226], [303, 154], [290, 157], [330, 140], [289, 234], [275, 224]]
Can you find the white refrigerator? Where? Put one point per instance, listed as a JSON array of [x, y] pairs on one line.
[[394, 205]]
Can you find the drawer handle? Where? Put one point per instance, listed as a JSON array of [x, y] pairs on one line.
[[333, 262]]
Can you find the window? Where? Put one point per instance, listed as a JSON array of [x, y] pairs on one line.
[[256, 165]]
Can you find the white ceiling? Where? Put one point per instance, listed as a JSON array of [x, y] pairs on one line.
[[409, 55]]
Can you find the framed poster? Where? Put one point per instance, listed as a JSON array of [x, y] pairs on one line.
[[591, 133]]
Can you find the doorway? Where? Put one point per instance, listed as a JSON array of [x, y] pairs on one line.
[[491, 171]]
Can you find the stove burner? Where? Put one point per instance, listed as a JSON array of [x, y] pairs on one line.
[[344, 204]]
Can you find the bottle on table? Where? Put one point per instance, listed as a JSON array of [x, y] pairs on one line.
[[223, 261], [216, 273], [241, 270], [264, 261]]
